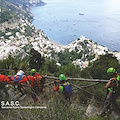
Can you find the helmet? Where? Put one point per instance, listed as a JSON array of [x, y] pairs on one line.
[[62, 77], [33, 71], [111, 71]]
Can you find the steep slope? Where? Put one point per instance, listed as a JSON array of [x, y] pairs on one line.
[[16, 10], [18, 36]]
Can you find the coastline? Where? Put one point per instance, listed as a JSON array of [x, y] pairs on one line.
[[35, 5], [43, 4], [64, 30], [39, 4]]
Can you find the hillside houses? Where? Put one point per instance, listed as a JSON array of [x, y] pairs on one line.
[[24, 36]]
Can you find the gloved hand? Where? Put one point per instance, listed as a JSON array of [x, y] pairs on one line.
[[28, 82], [54, 82]]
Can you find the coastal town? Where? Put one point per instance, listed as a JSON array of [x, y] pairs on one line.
[[19, 35], [53, 80], [20, 42]]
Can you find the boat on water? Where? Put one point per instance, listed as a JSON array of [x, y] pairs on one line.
[[81, 13]]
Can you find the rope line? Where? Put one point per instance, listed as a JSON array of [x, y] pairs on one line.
[[81, 79], [82, 89], [86, 86]]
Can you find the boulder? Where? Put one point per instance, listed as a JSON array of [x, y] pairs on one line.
[[91, 111]]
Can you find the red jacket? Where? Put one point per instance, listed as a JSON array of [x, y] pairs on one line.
[[35, 79]]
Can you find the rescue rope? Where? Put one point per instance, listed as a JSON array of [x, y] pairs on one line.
[[86, 86], [81, 88], [81, 79]]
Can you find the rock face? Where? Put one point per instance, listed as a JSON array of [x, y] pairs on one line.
[[114, 116], [91, 111], [11, 93]]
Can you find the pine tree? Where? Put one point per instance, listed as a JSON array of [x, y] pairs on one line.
[[36, 60]]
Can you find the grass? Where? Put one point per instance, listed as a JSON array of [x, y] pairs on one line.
[[57, 107]]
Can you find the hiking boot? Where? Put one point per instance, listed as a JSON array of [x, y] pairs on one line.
[[103, 114]]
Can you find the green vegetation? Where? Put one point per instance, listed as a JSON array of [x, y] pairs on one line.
[[57, 109], [28, 31], [7, 64], [2, 33], [67, 57], [97, 70], [35, 61], [56, 104], [12, 31], [11, 6], [5, 16], [18, 3], [100, 66]]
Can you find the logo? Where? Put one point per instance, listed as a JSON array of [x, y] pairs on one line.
[[9, 103], [16, 104]]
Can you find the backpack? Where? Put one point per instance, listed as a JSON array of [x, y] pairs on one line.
[[67, 88]]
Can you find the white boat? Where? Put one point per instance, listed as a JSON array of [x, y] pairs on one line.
[[81, 13]]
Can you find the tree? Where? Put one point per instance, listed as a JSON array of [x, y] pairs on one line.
[[52, 67], [36, 61], [100, 66], [69, 70], [7, 64]]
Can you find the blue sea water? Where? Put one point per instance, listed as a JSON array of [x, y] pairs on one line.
[[61, 22]]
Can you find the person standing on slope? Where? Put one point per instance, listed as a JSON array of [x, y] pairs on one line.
[[35, 84], [113, 87], [64, 87]]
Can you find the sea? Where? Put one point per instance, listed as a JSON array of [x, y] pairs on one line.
[[64, 21]]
